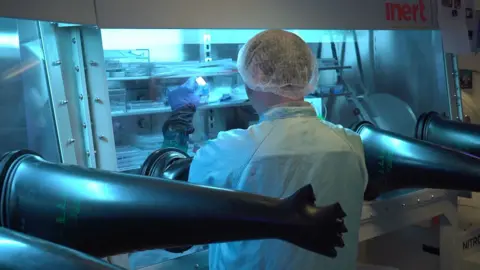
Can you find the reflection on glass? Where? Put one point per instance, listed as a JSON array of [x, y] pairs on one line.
[[27, 120]]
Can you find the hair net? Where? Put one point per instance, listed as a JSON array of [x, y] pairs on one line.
[[279, 62]]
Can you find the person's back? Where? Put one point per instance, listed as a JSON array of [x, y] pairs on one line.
[[276, 158], [290, 148]]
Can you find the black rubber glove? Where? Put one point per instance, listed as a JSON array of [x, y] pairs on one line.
[[178, 127]]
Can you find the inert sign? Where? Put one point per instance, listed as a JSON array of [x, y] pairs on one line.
[[405, 12], [472, 242]]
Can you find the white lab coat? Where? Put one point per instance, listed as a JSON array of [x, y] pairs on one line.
[[290, 148]]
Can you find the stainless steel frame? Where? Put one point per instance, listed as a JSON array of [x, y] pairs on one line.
[[454, 90], [71, 55], [98, 99], [57, 93]]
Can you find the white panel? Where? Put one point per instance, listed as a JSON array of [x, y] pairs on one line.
[[254, 14], [72, 11], [385, 216]]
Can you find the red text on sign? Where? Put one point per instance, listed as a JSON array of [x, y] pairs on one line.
[[405, 12]]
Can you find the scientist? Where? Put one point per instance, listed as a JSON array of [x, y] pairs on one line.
[[289, 148]]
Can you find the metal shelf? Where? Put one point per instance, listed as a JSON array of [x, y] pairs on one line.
[[141, 78], [204, 74], [176, 76], [320, 68], [165, 109]]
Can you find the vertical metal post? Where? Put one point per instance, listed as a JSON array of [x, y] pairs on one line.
[[458, 90], [71, 55], [453, 86], [82, 98], [206, 46], [98, 97], [57, 93], [206, 56]]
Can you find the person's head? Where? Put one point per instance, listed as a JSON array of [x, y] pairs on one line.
[[277, 67]]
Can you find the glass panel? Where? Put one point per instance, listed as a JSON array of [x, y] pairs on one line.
[[25, 104], [386, 77], [143, 64]]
